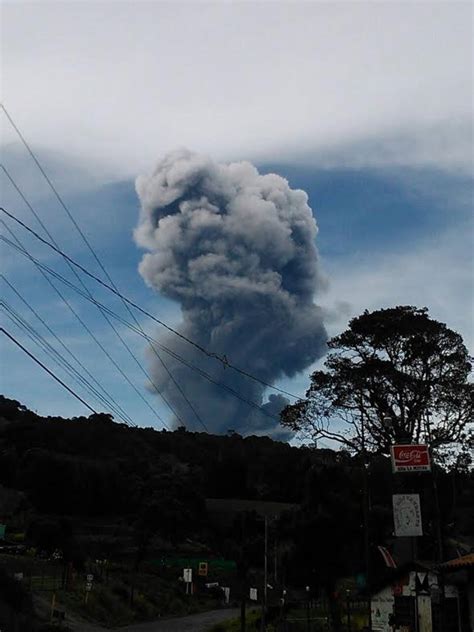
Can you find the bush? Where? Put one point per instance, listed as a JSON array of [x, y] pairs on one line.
[[144, 608], [107, 607], [122, 591], [177, 606]]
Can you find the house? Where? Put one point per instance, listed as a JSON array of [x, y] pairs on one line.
[[460, 572], [409, 599]]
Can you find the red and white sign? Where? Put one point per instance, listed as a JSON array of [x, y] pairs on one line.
[[410, 458]]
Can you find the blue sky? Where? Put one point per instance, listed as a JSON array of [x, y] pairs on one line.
[[385, 156]]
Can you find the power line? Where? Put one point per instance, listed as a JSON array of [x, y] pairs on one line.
[[80, 320], [25, 327], [45, 368], [113, 314], [60, 360], [104, 270], [210, 354], [75, 273], [147, 375], [74, 312], [107, 400]]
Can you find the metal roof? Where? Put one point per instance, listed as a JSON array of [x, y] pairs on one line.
[[466, 561]]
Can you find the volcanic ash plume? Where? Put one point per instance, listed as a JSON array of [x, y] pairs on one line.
[[236, 250]]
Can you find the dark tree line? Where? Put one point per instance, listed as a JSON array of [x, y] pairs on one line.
[[393, 364]]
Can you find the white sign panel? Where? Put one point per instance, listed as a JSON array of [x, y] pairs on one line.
[[188, 575], [253, 594], [407, 515]]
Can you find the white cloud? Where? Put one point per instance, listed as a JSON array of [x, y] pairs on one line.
[[122, 83], [446, 145], [436, 273]]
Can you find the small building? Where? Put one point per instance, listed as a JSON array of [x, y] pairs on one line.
[[410, 600], [460, 572]]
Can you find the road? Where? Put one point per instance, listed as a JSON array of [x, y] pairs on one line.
[[192, 623]]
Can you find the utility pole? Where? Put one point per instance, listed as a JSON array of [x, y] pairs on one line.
[[265, 578], [439, 535], [366, 502], [434, 479], [243, 578]]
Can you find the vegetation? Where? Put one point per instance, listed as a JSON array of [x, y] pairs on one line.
[[395, 375], [88, 495], [252, 620]]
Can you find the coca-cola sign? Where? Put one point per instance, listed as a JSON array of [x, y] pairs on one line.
[[410, 458]]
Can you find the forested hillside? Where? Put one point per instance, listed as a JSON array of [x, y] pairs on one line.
[[148, 490]]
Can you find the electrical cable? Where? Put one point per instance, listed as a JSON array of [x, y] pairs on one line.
[[102, 267], [26, 328], [89, 331], [113, 314], [75, 273], [109, 403], [210, 354], [79, 319], [45, 368]]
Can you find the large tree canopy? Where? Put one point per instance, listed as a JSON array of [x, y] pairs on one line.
[[394, 375]]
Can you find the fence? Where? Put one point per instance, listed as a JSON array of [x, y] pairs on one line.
[[44, 582], [314, 616], [39, 582]]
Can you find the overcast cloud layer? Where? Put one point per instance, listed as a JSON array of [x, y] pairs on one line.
[[327, 94], [361, 83]]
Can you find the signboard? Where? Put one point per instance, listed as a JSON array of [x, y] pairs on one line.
[[188, 575], [253, 594], [407, 515], [3, 528], [202, 569], [410, 458]]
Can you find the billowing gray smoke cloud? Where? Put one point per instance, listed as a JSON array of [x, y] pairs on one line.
[[236, 250]]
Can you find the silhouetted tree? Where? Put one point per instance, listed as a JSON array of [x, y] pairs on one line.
[[392, 363]]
